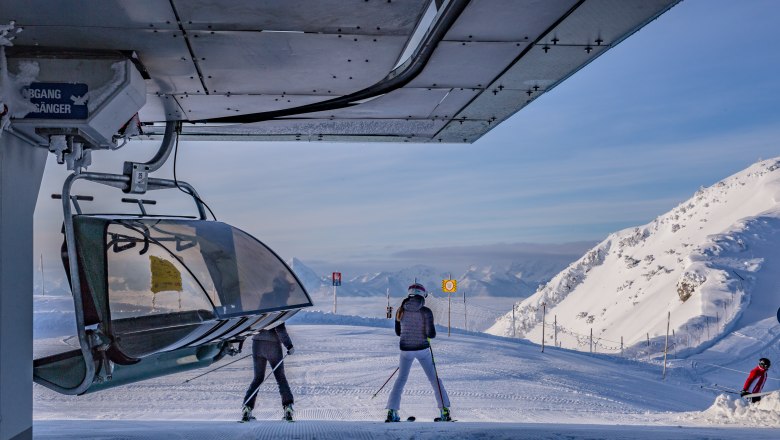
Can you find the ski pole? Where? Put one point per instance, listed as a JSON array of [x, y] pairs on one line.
[[435, 372], [726, 390], [215, 369], [388, 380], [266, 378]]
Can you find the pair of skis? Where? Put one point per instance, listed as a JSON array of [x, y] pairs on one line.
[[252, 419], [413, 418], [717, 387]]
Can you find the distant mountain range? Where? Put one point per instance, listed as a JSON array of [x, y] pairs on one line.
[[518, 279]]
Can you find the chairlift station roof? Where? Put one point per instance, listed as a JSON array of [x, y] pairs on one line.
[[337, 70]]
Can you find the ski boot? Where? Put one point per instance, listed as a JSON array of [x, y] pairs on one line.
[[288, 413], [392, 416], [246, 414], [445, 416]]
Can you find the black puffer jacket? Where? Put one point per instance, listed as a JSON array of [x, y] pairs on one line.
[[416, 324], [277, 334]]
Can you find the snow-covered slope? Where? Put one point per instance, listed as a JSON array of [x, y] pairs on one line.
[[712, 264]]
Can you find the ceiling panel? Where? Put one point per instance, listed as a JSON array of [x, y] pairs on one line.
[[411, 103], [127, 14], [163, 52], [507, 20], [542, 69], [495, 107], [465, 64], [609, 20], [455, 100], [293, 63], [161, 108], [357, 17], [198, 107], [243, 57], [458, 132]]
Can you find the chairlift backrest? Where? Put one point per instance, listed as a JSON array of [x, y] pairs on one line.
[[157, 295]]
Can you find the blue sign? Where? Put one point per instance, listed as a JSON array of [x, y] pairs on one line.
[[57, 100]]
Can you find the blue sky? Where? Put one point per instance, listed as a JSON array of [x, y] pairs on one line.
[[688, 100]]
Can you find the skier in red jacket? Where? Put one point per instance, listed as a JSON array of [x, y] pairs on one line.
[[757, 374]]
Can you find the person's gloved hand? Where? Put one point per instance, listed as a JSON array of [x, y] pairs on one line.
[[290, 350], [744, 393]]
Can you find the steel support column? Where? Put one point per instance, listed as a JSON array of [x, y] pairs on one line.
[[21, 171]]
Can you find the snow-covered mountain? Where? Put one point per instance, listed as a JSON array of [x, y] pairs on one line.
[[486, 281], [310, 280], [711, 265]]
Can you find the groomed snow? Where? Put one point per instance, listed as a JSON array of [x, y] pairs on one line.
[[500, 388]]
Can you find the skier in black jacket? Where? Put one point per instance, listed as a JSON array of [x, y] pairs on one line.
[[414, 324], [266, 347]]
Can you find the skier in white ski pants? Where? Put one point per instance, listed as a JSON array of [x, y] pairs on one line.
[[405, 364], [414, 324]]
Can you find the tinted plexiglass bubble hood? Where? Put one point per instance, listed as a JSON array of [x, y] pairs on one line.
[[158, 295]]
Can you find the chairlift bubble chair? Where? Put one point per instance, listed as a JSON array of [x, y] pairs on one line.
[[156, 295]]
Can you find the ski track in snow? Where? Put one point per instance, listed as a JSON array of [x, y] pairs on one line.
[[337, 368]]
